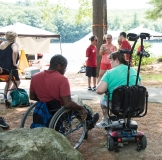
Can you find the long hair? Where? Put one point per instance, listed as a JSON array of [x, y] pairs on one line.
[[119, 56]]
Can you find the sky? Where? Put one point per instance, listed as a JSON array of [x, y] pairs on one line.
[[111, 4]]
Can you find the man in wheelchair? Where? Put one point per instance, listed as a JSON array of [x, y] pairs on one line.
[[51, 85], [113, 78]]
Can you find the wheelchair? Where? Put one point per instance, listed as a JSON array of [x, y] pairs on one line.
[[65, 121], [128, 102], [7, 78]]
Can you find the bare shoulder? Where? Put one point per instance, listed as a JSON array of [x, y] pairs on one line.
[[3, 45], [15, 46]]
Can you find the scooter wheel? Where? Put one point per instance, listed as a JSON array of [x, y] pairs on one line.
[[110, 144], [143, 142]]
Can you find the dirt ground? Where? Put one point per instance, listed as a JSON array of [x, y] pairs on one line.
[[95, 147]]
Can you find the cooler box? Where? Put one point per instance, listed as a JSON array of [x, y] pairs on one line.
[[30, 71]]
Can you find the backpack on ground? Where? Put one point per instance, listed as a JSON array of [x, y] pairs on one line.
[[41, 116]]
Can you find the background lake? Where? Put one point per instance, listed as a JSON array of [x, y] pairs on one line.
[[75, 53]]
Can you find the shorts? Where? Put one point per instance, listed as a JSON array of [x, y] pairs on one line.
[[15, 73], [104, 103], [91, 71], [104, 66]]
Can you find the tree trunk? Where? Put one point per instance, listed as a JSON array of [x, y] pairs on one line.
[[99, 21], [105, 17]]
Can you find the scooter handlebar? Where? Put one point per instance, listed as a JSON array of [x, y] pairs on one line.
[[124, 51]]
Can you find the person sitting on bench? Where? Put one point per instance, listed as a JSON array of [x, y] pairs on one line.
[[113, 78]]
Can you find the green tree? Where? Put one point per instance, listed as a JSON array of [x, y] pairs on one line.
[[156, 12], [135, 20]]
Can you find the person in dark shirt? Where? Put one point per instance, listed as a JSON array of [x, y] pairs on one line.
[[9, 56]]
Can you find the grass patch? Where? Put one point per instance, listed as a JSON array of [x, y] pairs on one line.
[[151, 77]]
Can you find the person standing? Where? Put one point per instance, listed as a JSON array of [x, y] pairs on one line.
[[124, 44], [91, 63], [105, 51], [9, 56]]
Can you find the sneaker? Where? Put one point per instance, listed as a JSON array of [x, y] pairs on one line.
[[89, 88], [104, 123], [95, 118], [94, 88], [91, 124], [3, 124]]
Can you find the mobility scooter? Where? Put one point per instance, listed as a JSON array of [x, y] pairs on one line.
[[128, 102]]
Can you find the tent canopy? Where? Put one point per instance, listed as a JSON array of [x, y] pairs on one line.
[[31, 39], [24, 30]]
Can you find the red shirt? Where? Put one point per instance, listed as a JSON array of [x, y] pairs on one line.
[[49, 85], [91, 53], [125, 45]]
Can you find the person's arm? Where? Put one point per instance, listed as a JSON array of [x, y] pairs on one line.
[[15, 50], [101, 87], [32, 94], [104, 50], [115, 48], [88, 52], [68, 103]]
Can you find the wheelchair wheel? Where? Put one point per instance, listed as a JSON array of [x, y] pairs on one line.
[[68, 123], [143, 142], [27, 118], [110, 143]]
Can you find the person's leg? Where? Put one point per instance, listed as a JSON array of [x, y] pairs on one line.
[[94, 75], [89, 74], [91, 118], [103, 68], [89, 83], [104, 122], [7, 87], [15, 83]]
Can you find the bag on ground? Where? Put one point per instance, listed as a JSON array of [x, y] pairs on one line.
[[19, 97]]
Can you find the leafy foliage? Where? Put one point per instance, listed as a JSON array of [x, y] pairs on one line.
[[145, 60], [44, 15], [156, 12], [72, 25]]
